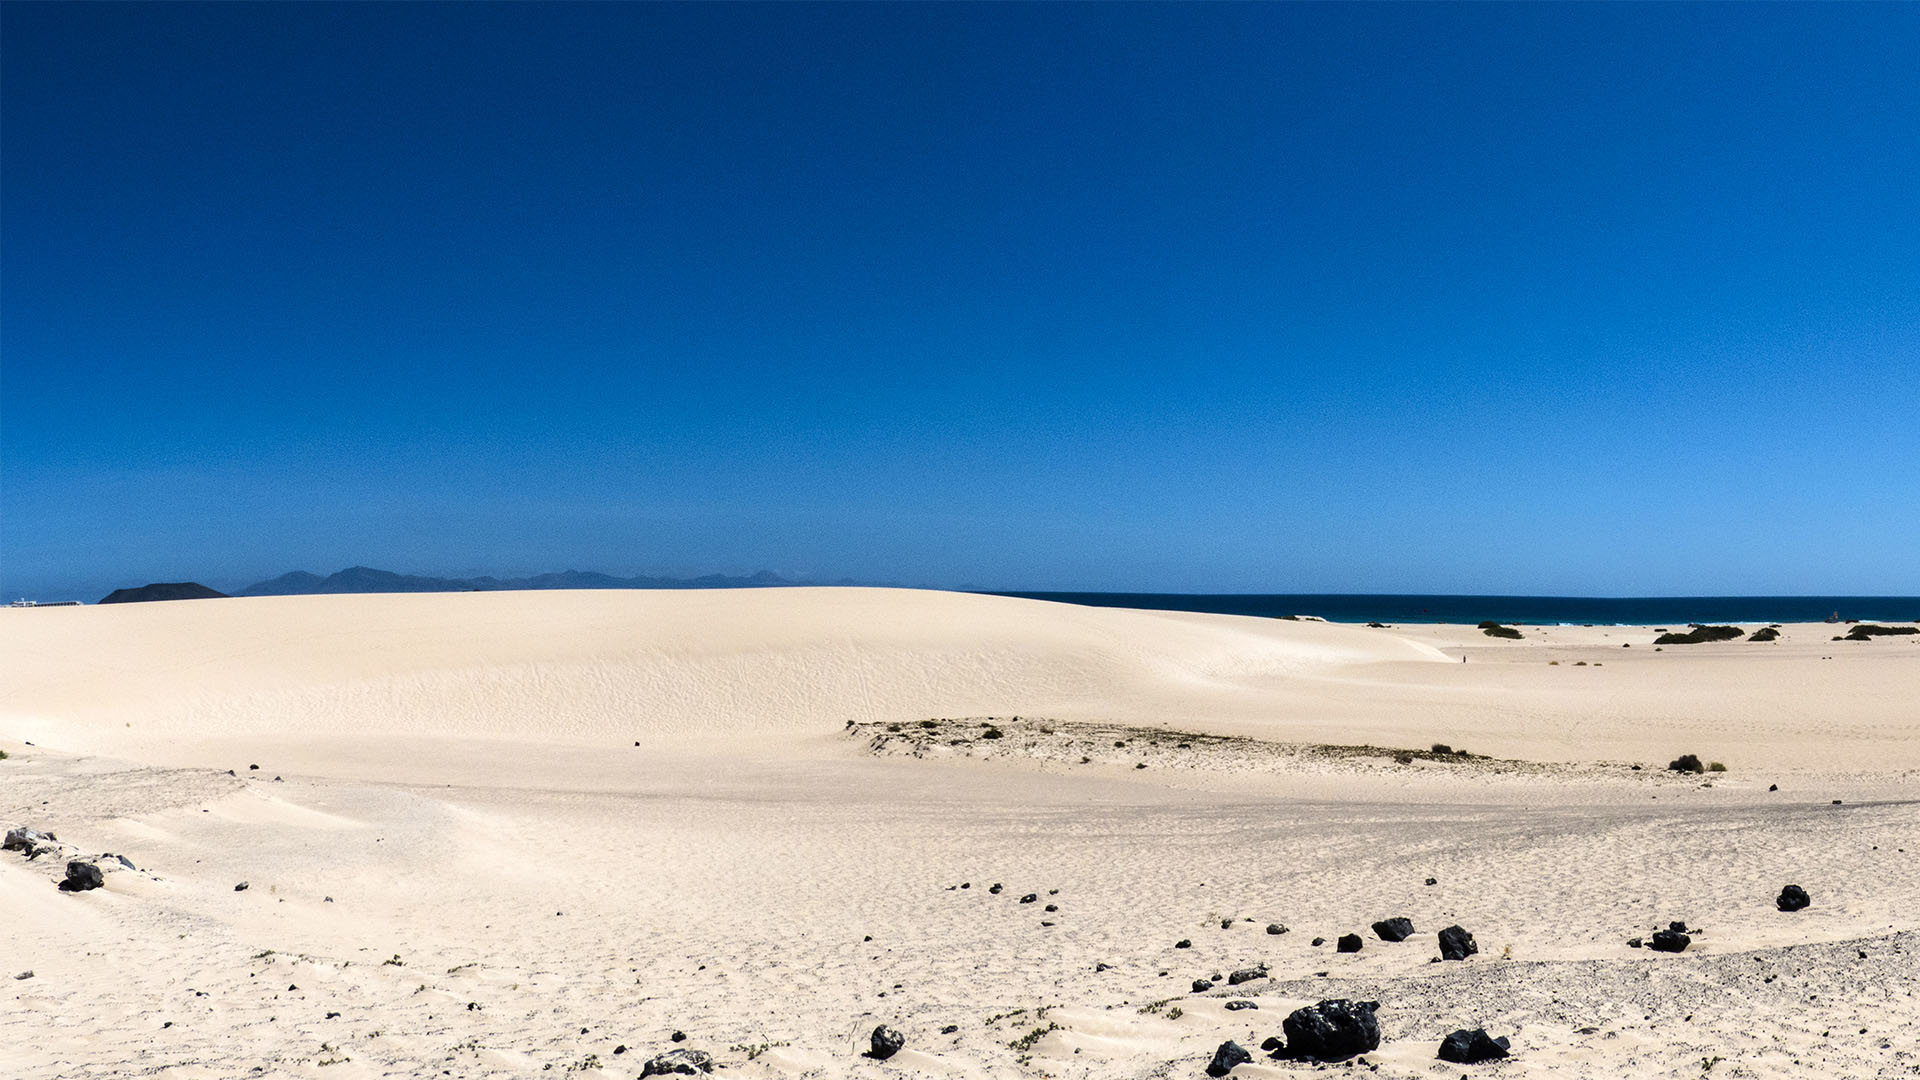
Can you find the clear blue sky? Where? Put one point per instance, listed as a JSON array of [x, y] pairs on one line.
[[1572, 299]]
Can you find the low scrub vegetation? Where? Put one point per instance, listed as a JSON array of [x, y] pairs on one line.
[[1865, 631], [1701, 633], [1494, 629]]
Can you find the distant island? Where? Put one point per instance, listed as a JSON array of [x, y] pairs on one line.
[[365, 579], [171, 590]]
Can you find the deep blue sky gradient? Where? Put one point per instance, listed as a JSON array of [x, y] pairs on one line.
[[1567, 299]]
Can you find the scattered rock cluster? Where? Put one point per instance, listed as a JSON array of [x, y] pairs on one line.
[[678, 1063], [83, 873]]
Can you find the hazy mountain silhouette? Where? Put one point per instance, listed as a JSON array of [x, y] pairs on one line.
[[174, 590], [364, 579]]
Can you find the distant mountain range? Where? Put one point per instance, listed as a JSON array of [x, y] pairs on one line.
[[363, 579]]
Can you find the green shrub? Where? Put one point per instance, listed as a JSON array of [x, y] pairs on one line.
[[1701, 633], [1863, 631], [1716, 767], [1492, 629], [1687, 763]]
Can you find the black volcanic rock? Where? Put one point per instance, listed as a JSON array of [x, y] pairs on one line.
[[678, 1063], [1456, 944], [172, 590], [1793, 898], [1348, 943], [82, 876], [884, 1043], [1332, 1030], [1395, 929], [1465, 1047], [1669, 941], [1229, 1055]]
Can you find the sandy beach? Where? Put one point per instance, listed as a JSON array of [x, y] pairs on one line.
[[504, 834]]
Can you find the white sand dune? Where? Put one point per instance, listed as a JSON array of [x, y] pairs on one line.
[[594, 667], [458, 860]]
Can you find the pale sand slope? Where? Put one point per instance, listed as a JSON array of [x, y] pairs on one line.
[[460, 777]]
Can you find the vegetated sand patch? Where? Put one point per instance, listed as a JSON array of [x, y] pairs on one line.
[[775, 885]]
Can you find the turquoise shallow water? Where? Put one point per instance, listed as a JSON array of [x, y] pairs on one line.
[[1535, 610]]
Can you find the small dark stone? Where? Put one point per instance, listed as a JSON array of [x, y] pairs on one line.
[[1669, 941], [885, 1043], [1226, 924], [1271, 1045], [995, 890], [82, 876], [678, 1063], [1317, 942], [1246, 975], [1201, 986], [1240, 1003], [1773, 787], [253, 768], [1332, 1030], [1793, 898], [1456, 944], [1634, 943], [1465, 1047], [1275, 928], [1051, 907], [1102, 967], [1229, 1055], [1395, 929], [242, 887], [678, 1036], [1029, 898], [1183, 943], [1677, 926], [1433, 881], [333, 1016], [621, 1049], [950, 1029], [1349, 943]]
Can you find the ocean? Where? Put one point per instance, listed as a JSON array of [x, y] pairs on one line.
[[1532, 610]]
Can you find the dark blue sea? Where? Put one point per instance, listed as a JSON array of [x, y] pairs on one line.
[[1533, 610]]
